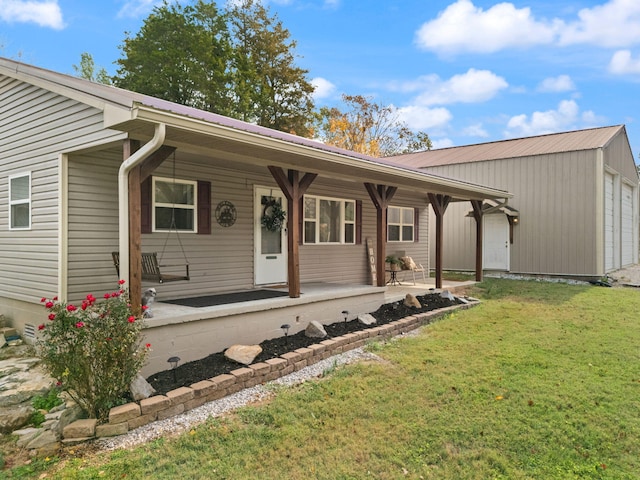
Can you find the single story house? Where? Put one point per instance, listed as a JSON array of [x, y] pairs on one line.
[[88, 170], [574, 210]]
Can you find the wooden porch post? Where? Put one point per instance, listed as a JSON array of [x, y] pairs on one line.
[[135, 257], [381, 196], [439, 203], [293, 188], [477, 215]]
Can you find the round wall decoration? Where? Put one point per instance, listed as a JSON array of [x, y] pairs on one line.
[[226, 213]]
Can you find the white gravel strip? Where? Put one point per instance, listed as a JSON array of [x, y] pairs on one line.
[[185, 421]]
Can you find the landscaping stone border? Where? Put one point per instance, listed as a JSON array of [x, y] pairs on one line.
[[132, 415]]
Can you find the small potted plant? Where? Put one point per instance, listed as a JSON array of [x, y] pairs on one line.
[[394, 262]]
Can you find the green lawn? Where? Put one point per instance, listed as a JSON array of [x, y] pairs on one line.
[[541, 381]]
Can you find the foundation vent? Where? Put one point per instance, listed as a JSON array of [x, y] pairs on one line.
[[29, 332]]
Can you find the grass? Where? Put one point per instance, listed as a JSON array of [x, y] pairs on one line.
[[540, 381]]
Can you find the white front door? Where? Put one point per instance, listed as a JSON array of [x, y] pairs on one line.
[[270, 246], [496, 251]]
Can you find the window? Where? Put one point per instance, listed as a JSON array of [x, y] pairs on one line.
[[400, 224], [329, 220], [174, 205], [20, 202]]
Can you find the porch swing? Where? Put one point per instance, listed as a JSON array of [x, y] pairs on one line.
[[151, 264]]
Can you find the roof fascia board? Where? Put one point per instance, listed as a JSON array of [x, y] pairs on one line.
[[142, 112]]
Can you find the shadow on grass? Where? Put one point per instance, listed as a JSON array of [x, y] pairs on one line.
[[527, 290]]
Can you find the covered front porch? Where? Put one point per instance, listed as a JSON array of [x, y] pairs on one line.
[[191, 333]]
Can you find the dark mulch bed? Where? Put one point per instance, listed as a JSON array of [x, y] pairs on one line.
[[216, 364]]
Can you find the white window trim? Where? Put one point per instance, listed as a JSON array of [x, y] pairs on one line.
[[343, 221], [193, 207], [402, 224], [20, 202]]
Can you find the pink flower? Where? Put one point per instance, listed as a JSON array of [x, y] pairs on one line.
[[114, 294], [148, 345], [71, 308], [42, 300], [91, 298], [84, 305], [79, 324], [55, 298], [106, 295], [49, 304], [144, 307], [131, 319], [52, 316], [41, 327], [121, 282]]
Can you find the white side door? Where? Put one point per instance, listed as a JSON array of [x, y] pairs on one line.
[[270, 258], [496, 247], [626, 226]]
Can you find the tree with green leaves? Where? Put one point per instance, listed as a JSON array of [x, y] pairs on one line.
[[182, 54], [370, 128], [270, 89], [238, 63], [88, 70]]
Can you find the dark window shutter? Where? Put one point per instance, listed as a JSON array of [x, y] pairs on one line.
[[416, 223], [359, 222], [145, 206], [301, 221], [204, 207]]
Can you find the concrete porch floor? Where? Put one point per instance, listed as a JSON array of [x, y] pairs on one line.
[[191, 333]]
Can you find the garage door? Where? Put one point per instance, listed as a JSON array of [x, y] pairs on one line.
[[609, 244], [626, 225]]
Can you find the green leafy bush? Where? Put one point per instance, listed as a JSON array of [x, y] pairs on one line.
[[48, 401], [36, 419], [93, 350]]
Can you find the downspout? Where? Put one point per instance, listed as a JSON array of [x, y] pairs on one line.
[[123, 194]]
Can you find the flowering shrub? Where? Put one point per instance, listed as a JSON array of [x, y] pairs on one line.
[[93, 350]]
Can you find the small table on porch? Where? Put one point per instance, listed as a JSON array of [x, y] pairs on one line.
[[393, 280]]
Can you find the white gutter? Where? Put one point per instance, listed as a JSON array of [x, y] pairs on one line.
[[123, 194]]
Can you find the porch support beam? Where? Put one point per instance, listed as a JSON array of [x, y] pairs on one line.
[[157, 158], [439, 203], [135, 232], [477, 215], [293, 187], [381, 196]]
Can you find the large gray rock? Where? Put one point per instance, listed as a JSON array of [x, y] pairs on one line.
[[411, 301], [13, 418], [44, 439], [448, 295], [315, 330], [244, 354], [367, 319], [140, 388], [25, 435]]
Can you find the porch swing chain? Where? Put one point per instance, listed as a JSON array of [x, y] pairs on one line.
[[173, 217]]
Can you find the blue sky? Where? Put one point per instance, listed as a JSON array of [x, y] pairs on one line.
[[465, 71]]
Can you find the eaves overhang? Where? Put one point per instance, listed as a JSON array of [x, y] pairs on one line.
[[256, 145]]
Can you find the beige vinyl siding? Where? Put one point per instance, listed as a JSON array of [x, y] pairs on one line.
[[555, 196], [36, 126], [222, 261], [348, 263], [618, 156]]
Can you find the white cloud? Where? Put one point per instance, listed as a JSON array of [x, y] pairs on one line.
[[45, 14], [423, 118], [622, 63], [566, 117], [476, 130], [471, 87], [442, 143], [464, 27], [615, 23], [561, 83], [138, 8], [323, 88]]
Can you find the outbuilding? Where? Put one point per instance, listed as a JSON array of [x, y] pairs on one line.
[[574, 210]]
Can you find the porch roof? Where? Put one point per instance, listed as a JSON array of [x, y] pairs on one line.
[[222, 138]]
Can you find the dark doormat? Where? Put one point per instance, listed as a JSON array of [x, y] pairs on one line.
[[225, 298]]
